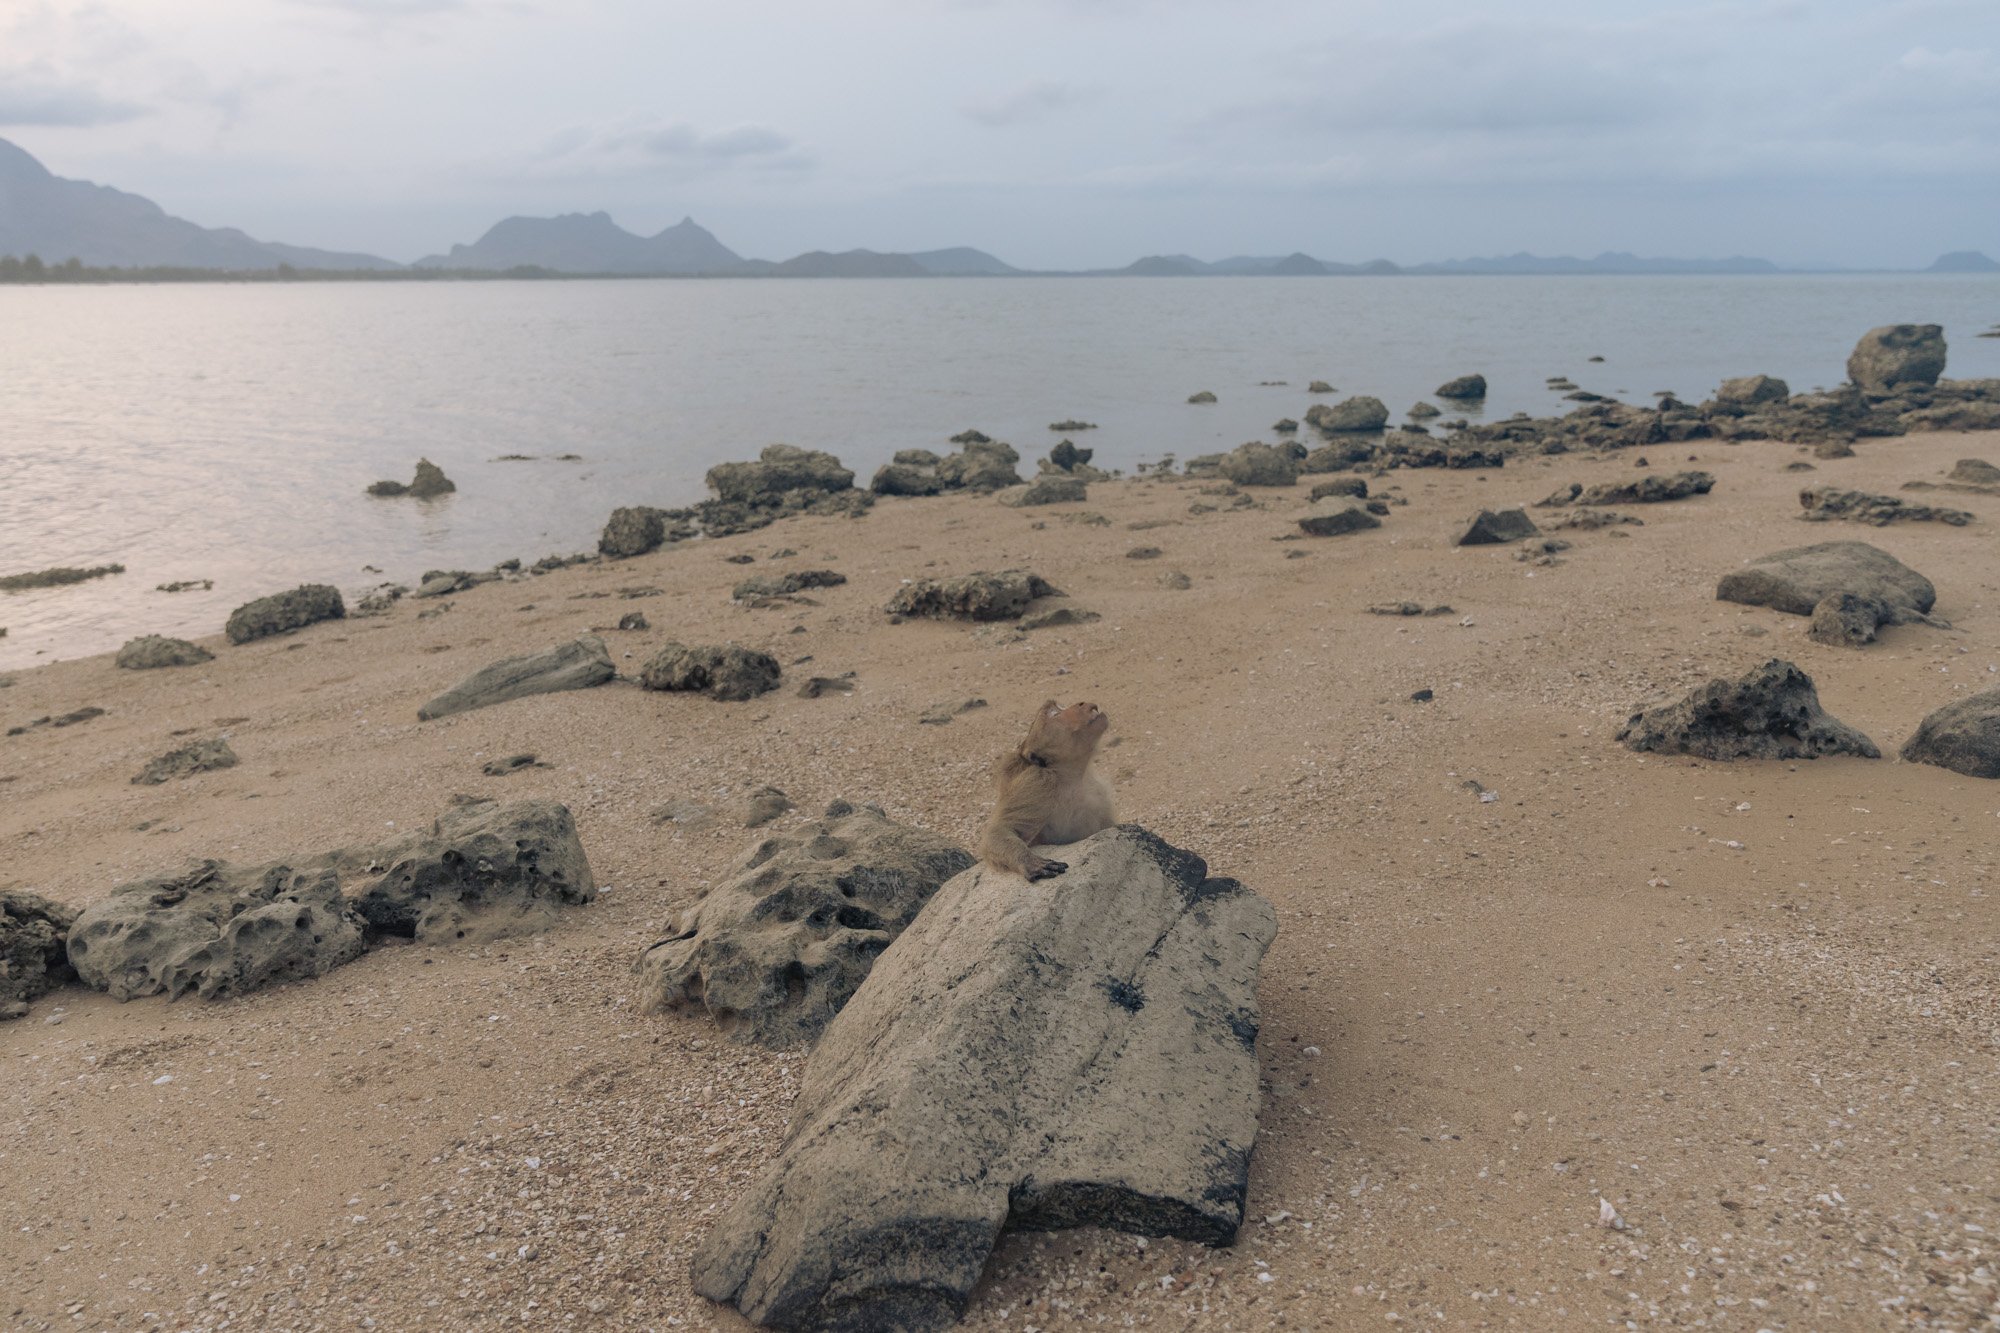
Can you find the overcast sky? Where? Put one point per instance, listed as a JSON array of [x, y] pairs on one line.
[[1065, 133]]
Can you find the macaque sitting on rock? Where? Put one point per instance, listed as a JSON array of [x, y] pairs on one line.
[[1047, 792]]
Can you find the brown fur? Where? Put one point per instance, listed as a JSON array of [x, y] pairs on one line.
[[1048, 793]]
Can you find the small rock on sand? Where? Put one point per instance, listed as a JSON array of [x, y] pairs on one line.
[[819, 686], [152, 651], [1336, 516], [938, 715], [577, 665], [979, 596], [513, 763], [1175, 581], [283, 612], [1047, 491], [199, 757], [721, 671], [1824, 503], [1056, 616], [1492, 528], [1963, 736], [1770, 712]]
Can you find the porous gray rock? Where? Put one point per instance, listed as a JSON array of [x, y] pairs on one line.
[[1769, 712], [198, 757], [1354, 486], [1336, 516], [1897, 354], [1848, 621], [1495, 527], [1080, 1051], [482, 870], [1203, 397], [1798, 579], [576, 665], [283, 612], [1258, 464], [1750, 390], [1963, 736], [1352, 415], [217, 930], [721, 671], [980, 465], [787, 584], [150, 652], [1048, 490], [1974, 472], [33, 948], [633, 530], [430, 483], [1825, 503], [1466, 388], [1653, 488], [980, 596], [1422, 411], [775, 951]]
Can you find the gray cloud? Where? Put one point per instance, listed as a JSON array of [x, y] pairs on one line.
[[647, 145], [385, 8], [1034, 102], [30, 98]]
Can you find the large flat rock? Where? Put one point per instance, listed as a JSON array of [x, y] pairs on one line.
[[576, 665], [1079, 1051], [1798, 579], [1963, 736]]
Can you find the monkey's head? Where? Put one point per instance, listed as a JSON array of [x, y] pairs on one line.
[[1058, 735]]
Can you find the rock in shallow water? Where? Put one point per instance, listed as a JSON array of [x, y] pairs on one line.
[[1770, 712], [773, 954], [1963, 736], [577, 665], [1079, 1051], [1897, 354]]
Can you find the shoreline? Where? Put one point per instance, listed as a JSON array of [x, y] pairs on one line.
[[1651, 979]]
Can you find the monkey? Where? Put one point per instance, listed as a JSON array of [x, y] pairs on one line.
[[1048, 793]]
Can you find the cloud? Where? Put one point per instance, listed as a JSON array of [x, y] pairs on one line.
[[1034, 102], [34, 97], [386, 8], [646, 145]]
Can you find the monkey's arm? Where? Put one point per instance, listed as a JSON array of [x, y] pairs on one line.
[[1017, 820]]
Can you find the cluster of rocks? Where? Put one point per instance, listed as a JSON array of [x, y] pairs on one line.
[[782, 482], [1650, 489], [58, 577], [225, 929], [726, 672], [978, 596], [987, 1073], [1893, 388], [429, 483], [1825, 503], [981, 464], [281, 613]]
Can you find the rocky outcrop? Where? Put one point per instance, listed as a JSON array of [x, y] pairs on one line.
[[1202, 397], [774, 953], [1257, 464], [188, 760], [1825, 503], [223, 929], [980, 465], [1336, 516], [1352, 415], [1079, 1051], [1963, 736], [59, 577], [577, 665], [283, 612], [633, 530], [721, 671], [1047, 491], [788, 584], [980, 596], [779, 469], [1354, 486], [1798, 579], [1466, 388], [1750, 390], [430, 483], [33, 941], [1492, 528], [1649, 489], [1770, 712], [1897, 354], [151, 652], [1066, 457], [1974, 472]]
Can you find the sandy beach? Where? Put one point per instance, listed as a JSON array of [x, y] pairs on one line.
[[1753, 1006]]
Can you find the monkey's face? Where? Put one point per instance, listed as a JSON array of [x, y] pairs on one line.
[[1074, 730]]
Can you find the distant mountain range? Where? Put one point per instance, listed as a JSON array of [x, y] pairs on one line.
[[56, 219]]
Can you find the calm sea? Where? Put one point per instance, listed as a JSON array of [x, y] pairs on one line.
[[227, 433]]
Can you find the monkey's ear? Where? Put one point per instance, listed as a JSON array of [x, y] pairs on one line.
[[1050, 708]]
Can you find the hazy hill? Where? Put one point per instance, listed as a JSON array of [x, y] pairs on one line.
[[1964, 261], [589, 243], [1611, 261], [44, 214], [846, 264], [962, 261]]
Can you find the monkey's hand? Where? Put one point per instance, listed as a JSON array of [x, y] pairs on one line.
[[1046, 870]]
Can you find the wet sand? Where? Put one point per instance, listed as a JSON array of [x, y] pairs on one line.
[[1752, 1005]]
